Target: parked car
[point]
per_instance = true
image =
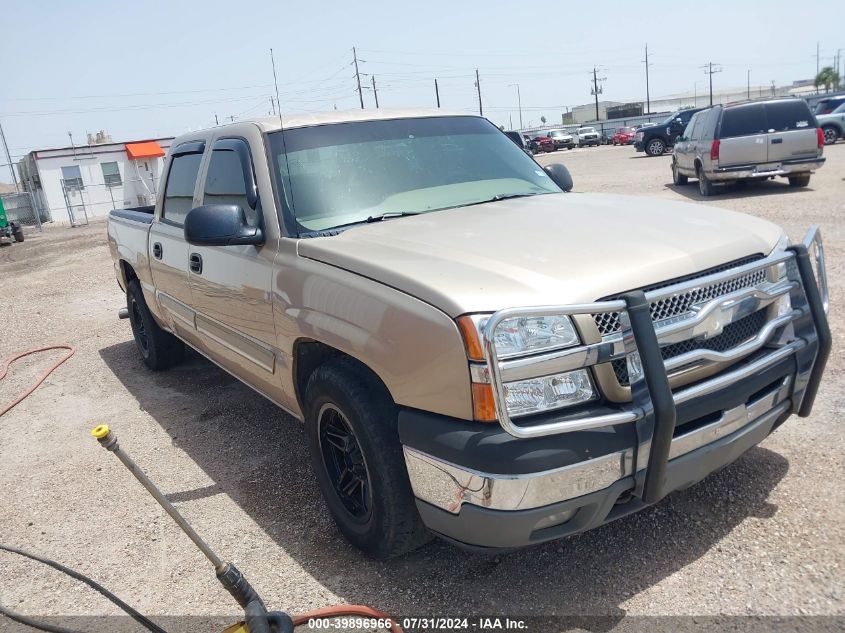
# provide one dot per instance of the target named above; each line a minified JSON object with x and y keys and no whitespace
{"x":828,"y":104}
{"x":624,"y":136}
{"x":833,"y":124}
{"x":562,"y":139}
{"x":749,"y":141}
{"x":586,"y":136}
{"x":518,"y":139}
{"x":358,"y":270}
{"x":654,"y":140}
{"x":542,"y":143}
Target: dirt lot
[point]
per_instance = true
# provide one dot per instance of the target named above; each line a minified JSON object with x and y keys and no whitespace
{"x":764,"y":536}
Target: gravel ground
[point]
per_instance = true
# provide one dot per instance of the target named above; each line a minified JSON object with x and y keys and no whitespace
{"x":765,"y":536}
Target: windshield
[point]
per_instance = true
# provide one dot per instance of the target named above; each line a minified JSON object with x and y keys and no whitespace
{"x":586,"y":130}
{"x":558,"y":133}
{"x":345,"y":173}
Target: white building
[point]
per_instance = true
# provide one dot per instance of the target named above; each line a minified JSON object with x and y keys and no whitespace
{"x":73,"y":183}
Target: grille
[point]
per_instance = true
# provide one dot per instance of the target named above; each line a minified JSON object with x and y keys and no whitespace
{"x":734,"y":334}
{"x":608,"y":322}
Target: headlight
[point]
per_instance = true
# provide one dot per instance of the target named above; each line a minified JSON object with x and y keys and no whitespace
{"x":535,"y":395}
{"x":639,"y":136}
{"x":783,"y":242}
{"x":519,"y":335}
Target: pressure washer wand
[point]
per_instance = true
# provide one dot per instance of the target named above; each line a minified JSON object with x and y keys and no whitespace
{"x":258,"y":620}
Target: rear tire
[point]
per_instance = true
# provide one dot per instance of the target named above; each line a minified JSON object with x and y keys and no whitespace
{"x":351,"y":430}
{"x":17,"y":232}
{"x":799,"y":181}
{"x":677,"y":177}
{"x":655,"y":147}
{"x":705,"y":187}
{"x":831,"y":134}
{"x":159,"y":349}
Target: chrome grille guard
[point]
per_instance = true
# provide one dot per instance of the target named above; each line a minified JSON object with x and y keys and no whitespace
{"x":653,"y":403}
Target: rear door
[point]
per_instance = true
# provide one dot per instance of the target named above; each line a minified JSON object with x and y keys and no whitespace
{"x":743,"y":135}
{"x":791,"y":131}
{"x":168,"y":251}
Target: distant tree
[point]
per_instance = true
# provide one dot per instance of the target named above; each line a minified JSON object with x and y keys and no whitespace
{"x":828,"y":78}
{"x":543,"y":120}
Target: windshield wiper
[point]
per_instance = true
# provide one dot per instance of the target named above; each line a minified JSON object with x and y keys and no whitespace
{"x":501,"y":196}
{"x":389,"y":215}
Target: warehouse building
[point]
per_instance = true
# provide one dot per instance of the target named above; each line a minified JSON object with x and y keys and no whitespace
{"x":72,"y":184}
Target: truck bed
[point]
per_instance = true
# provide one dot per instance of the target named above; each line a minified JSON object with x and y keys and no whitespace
{"x":136,"y":214}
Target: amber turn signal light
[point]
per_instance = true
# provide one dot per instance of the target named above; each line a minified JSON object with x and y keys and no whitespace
{"x":472,"y":341}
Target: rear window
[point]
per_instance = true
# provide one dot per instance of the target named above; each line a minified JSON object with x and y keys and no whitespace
{"x":784,"y":116}
{"x":743,"y":121}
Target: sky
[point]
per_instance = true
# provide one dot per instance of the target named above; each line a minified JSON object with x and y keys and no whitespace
{"x":151,"y":68}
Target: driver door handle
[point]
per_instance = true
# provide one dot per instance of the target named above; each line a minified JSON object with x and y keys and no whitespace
{"x":157,"y":250}
{"x":196,"y":263}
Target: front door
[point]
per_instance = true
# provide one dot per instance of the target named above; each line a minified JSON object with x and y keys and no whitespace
{"x":230,"y":285}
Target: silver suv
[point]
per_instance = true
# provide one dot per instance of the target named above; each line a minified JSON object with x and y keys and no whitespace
{"x":751,"y":140}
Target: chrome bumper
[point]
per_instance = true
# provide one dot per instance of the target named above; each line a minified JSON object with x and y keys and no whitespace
{"x":783,"y":169}
{"x":801,"y":331}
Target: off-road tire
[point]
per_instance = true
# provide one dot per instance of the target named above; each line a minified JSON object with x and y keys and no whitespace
{"x":655,"y":147}
{"x":17,"y":232}
{"x":677,"y":177}
{"x":159,"y":349}
{"x":831,"y":134}
{"x":799,"y":181}
{"x":392,"y":526}
{"x":705,"y":187}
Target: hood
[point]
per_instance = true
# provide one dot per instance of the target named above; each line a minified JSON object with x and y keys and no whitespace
{"x":543,"y":250}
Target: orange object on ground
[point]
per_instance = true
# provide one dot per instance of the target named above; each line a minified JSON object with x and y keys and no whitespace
{"x":41,"y":378}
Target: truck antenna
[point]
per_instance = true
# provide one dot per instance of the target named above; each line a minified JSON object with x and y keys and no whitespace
{"x":282,"y":131}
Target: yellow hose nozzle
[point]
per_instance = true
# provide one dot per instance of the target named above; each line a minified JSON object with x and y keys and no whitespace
{"x":100,"y":431}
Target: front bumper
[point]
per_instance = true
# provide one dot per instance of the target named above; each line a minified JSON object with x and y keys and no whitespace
{"x":512,"y":485}
{"x":785,"y":168}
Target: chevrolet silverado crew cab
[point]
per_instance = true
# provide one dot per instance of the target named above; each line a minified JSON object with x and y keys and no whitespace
{"x":752,"y":140}
{"x":474,"y":352}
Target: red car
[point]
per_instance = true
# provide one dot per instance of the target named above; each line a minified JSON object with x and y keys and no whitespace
{"x":624,"y":136}
{"x":542,"y":144}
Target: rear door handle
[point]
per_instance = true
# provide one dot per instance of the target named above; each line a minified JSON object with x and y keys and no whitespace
{"x":196,"y":263}
{"x":775,"y":141}
{"x":157,"y":250}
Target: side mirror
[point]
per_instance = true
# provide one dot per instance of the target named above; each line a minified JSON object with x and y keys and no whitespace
{"x":560,"y":175}
{"x":220,"y":225}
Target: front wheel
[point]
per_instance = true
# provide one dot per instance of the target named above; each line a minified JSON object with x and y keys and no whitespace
{"x":677,"y":177}
{"x":799,"y":181}
{"x":831,"y":134}
{"x":351,"y":427}
{"x":159,"y":349}
{"x":655,"y":147}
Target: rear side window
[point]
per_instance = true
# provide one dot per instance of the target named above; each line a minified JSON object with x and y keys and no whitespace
{"x":179,"y":193}
{"x":225,"y":183}
{"x":743,"y":121}
{"x":784,"y":116}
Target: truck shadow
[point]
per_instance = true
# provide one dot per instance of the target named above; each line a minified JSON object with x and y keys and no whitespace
{"x":741,"y":189}
{"x":255,"y":454}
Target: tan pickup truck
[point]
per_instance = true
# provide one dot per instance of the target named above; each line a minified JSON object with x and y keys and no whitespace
{"x":474,"y":352}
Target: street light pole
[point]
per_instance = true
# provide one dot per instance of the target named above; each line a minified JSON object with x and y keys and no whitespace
{"x":519,"y":101}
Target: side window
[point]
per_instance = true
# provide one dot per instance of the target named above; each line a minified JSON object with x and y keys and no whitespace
{"x":784,"y":116}
{"x":743,"y":121}
{"x":691,"y":131}
{"x":179,"y":192}
{"x":229,"y":177}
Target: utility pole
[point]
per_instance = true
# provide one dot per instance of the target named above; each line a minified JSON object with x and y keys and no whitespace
{"x":748,"y":96}
{"x":647,"y":95}
{"x":375,"y":92}
{"x":709,"y":71}
{"x":216,"y":122}
{"x":358,"y":77}
{"x":519,"y":101}
{"x":817,"y":59}
{"x":596,"y":90}
{"x":478,"y":87}
{"x":9,"y":159}
{"x":437,"y":92}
